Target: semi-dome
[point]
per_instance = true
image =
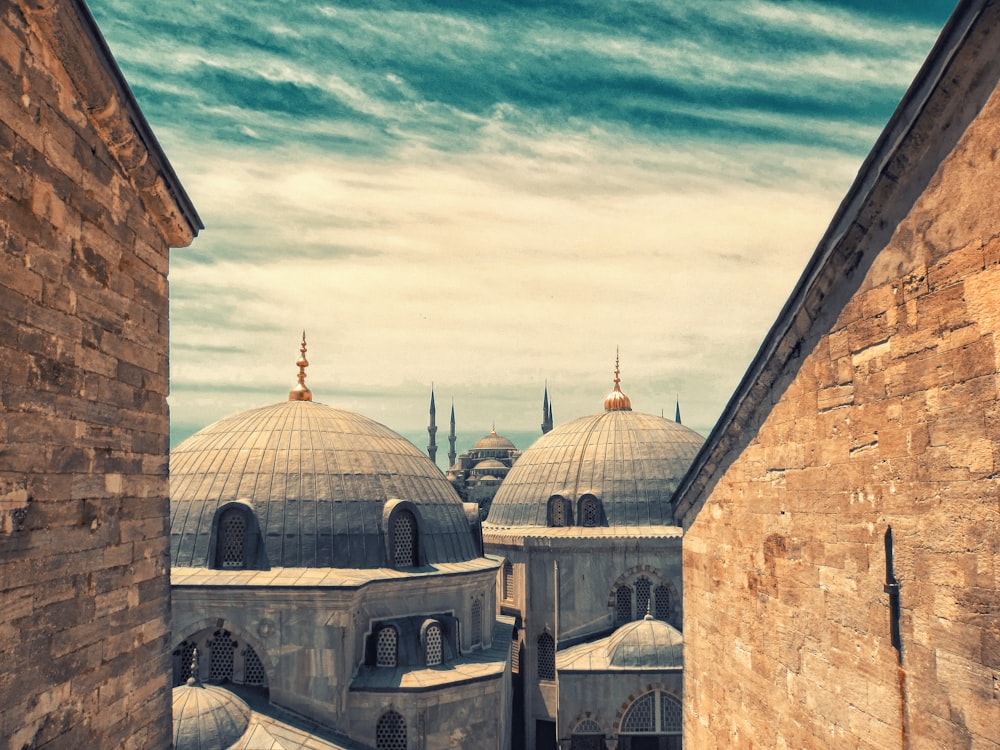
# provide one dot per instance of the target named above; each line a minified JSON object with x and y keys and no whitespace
{"x":618,"y":468}
{"x":317,"y":486}
{"x":207,"y":717}
{"x":646,"y":644}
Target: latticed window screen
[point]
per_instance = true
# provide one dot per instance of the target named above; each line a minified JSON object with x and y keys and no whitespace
{"x":433,"y":646}
{"x":183,"y":658}
{"x":515,"y":653}
{"x":253,"y":668}
{"x":390,"y":732}
{"x":642,"y":590}
{"x":671,"y":719}
{"x":558,"y":511}
{"x":477,"y":622}
{"x":588,"y":735}
{"x":508,"y":581}
{"x":232,"y":533}
{"x":405,"y":540}
{"x":623,"y":605}
{"x":385,"y":647}
{"x":641,"y":716}
{"x":220,"y":660}
{"x":589,"y":515}
{"x":661,"y":605}
{"x":546,"y":657}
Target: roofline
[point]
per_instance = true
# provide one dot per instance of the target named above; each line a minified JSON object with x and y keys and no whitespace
{"x":875,"y":178}
{"x":138,"y":119}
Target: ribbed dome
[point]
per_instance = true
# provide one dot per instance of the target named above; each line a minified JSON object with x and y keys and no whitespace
{"x":646,"y":644}
{"x":207,"y":717}
{"x":317,"y":479}
{"x":630,"y":461}
{"x":493,"y":442}
{"x":490,"y":463}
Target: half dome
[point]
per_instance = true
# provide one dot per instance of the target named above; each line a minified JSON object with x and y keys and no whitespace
{"x":317,"y":480}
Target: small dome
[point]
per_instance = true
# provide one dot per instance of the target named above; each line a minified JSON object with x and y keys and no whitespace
{"x":493,"y":442}
{"x":646,"y":644}
{"x":207,"y":717}
{"x":489,"y":463}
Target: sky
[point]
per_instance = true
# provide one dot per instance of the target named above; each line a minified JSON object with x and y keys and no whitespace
{"x":492,"y":196}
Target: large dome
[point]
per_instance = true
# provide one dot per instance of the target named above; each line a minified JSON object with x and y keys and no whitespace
{"x":493,"y":442}
{"x":317,"y":480}
{"x":629,"y":461}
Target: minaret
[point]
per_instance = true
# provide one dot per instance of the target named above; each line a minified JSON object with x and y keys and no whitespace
{"x":677,"y":411}
{"x":301,"y":392}
{"x":546,"y":411}
{"x":432,"y":429}
{"x":451,"y":438}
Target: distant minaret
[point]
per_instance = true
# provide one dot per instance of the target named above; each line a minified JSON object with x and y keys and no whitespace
{"x":432,"y":429}
{"x":546,"y":411}
{"x":677,"y":412}
{"x":451,"y":437}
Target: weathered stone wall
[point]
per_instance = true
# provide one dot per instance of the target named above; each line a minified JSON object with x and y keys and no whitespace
{"x":84,"y":232}
{"x":892,"y":419}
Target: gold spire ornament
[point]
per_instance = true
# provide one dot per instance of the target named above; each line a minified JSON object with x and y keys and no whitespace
{"x":301,"y":392}
{"x":616,"y":400}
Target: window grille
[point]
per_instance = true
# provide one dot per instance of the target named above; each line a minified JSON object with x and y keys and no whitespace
{"x":232,"y":533}
{"x":546,"y":657}
{"x":385,"y":647}
{"x":641,"y":716}
{"x":508,"y":581}
{"x":589,"y":515}
{"x":183,"y":656}
{"x":623,"y":605}
{"x":671,"y":719}
{"x":515,"y":653}
{"x":558,"y":511}
{"x":253,"y":668}
{"x":433,"y":646}
{"x":642,"y":589}
{"x":390,"y":732}
{"x":405,"y":540}
{"x":588,"y":735}
{"x":220,"y":656}
{"x":662,"y":603}
{"x":477,"y":622}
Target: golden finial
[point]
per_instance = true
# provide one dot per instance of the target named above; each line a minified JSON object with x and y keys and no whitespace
{"x":616,"y":400}
{"x":301,"y":392}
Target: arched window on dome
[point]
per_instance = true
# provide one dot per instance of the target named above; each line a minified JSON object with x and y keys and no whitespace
{"x":587,"y":735}
{"x":559,"y":511}
{"x":623,"y":605}
{"x":589,"y":512}
{"x":390,"y":732}
{"x":386,"y":647}
{"x":546,"y":657}
{"x":404,"y":540}
{"x":433,"y":648}
{"x":508,"y":581}
{"x":231,"y":536}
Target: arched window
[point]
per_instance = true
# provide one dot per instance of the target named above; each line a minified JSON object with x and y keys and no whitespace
{"x":588,"y":735}
{"x":404,"y":546}
{"x":231,"y":538}
{"x":183,"y":659}
{"x":546,"y":657}
{"x":655,"y":713}
{"x":220,"y":656}
{"x":515,"y":651}
{"x":433,"y":651}
{"x":253,"y":668}
{"x":390,"y":732}
{"x":385,"y":647}
{"x":477,"y":622}
{"x":661,"y":603}
{"x":559,"y":511}
{"x":508,"y":581}
{"x":642,"y":591}
{"x":590,"y":511}
{"x":623,"y":605}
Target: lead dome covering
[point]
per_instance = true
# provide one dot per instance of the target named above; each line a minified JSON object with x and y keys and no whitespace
{"x":317,"y":480}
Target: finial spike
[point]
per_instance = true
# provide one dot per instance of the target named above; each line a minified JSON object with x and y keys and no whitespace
{"x":193,"y":668}
{"x":301,"y":392}
{"x":616,"y":400}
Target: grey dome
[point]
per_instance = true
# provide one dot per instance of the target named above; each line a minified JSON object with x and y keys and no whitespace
{"x":630,"y":461}
{"x":207,"y":717}
{"x":317,"y":480}
{"x":646,"y":644}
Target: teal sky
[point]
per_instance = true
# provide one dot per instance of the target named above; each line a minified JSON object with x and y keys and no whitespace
{"x":492,"y":195}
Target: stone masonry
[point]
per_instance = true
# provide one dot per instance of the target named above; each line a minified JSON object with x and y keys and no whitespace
{"x":88,"y":209}
{"x":864,"y":453}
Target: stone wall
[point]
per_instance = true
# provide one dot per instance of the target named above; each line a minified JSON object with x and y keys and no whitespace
{"x":888,"y":418}
{"x":86,"y":218}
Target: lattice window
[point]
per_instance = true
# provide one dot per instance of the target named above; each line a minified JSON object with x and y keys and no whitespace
{"x":623,"y":605}
{"x":220,"y":656}
{"x":641,"y":716}
{"x":515,"y":652}
{"x":546,"y":657}
{"x":253,"y":668}
{"x":661,"y":597}
{"x":385,"y":647}
{"x":671,"y":719}
{"x":405,"y":540}
{"x":432,"y":646}
{"x":508,"y":581}
{"x":477,"y":622}
{"x":183,"y":656}
{"x":232,"y":537}
{"x":390,"y":732}
{"x":588,"y":735}
{"x":589,"y":511}
{"x":642,"y":590}
{"x":558,"y":511}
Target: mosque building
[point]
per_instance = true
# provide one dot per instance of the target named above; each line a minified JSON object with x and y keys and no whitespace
{"x":592,"y":577}
{"x":321,"y":560}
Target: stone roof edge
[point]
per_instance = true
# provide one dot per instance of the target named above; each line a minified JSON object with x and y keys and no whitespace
{"x":948,"y":92}
{"x":164,"y":195}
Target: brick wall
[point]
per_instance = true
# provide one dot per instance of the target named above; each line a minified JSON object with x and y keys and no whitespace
{"x":86,"y":218}
{"x":890,"y":417}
